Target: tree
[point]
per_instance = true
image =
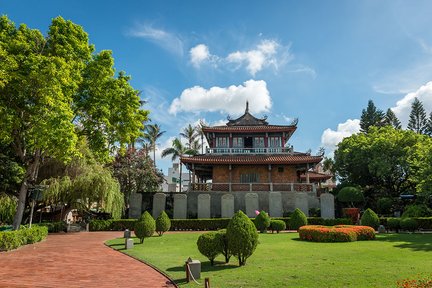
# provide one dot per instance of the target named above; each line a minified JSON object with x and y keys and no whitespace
{"x":351,"y":195}
{"x":152,"y":134}
{"x":210,"y":245}
{"x":163,"y":223}
{"x":371,"y":116}
{"x":177,"y":150}
{"x":391,"y":119}
{"x":262,"y":221}
{"x":145,"y":226}
{"x":298,"y":219}
{"x":52,"y":91}
{"x":242,"y":237}
{"x":429,"y":125}
{"x":199,"y":128}
{"x":136,"y":173}
{"x":386,"y":161}
{"x":190,"y":133}
{"x":418,"y":119}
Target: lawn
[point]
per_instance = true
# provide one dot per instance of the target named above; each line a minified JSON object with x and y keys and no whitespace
{"x":282,"y":260}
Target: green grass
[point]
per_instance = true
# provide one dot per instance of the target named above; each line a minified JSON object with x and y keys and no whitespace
{"x":282,"y":260}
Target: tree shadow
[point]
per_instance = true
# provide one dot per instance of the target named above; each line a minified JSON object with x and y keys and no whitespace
{"x":415,"y":242}
{"x":205,"y":267}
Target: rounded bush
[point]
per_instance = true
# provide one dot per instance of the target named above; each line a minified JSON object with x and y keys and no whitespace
{"x":145,"y":226}
{"x":350,"y":195}
{"x":262,"y":221}
{"x":298,"y":219}
{"x":224,"y":250}
{"x":163,"y":223}
{"x":242,"y":237}
{"x":409,"y":224}
{"x":370,"y":218}
{"x":384,"y":206}
{"x":277,"y":225}
{"x":393,"y":224}
{"x":210,"y":245}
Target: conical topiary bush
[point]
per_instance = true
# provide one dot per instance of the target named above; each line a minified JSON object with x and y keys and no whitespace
{"x":163,"y":223}
{"x":145,"y":226}
{"x":297,"y":219}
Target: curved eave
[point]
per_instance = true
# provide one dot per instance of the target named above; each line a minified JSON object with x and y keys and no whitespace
{"x":251,"y":159}
{"x":259,"y":129}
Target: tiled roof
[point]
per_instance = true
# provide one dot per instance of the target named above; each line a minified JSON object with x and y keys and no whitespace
{"x":252,"y":159}
{"x":317,"y":176}
{"x":261,"y":128}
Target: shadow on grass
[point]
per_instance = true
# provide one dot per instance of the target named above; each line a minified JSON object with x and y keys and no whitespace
{"x":415,"y":242}
{"x":205,"y":267}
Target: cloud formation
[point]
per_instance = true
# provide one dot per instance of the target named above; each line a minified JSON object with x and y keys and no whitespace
{"x":403,"y":106}
{"x":168,"y":41}
{"x":331,"y":138}
{"x":230,"y":99}
{"x":268,"y":53}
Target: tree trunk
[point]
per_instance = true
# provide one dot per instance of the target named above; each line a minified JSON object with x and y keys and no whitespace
{"x":180,"y":176}
{"x":154,"y":156}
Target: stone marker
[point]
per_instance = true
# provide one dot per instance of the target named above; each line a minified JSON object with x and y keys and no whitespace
{"x":127,"y":234}
{"x":275,"y":204}
{"x":301,"y":202}
{"x":159,"y":200}
{"x":327,"y":206}
{"x":203,"y":206}
{"x":180,"y":206}
{"x":381,"y":229}
{"x":251,"y":200}
{"x":227,"y":206}
{"x":129,"y":243}
{"x":135,"y":203}
{"x":195,"y":268}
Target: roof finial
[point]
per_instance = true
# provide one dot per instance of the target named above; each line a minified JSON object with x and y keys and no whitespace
{"x":247,"y":107}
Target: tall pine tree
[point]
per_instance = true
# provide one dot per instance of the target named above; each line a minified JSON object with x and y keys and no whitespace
{"x":429,"y":125}
{"x":391,"y":119}
{"x":371,"y":116}
{"x":418,"y":119}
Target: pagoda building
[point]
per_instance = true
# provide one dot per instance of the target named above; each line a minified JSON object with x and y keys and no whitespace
{"x":249,"y":154}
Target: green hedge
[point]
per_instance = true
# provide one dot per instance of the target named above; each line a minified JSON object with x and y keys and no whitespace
{"x":10,"y":240}
{"x":424,"y":223}
{"x":53,"y":227}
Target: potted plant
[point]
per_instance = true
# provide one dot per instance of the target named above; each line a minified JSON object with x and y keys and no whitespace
{"x":351,"y":196}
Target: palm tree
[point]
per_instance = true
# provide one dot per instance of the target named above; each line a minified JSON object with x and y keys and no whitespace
{"x":190,"y":133}
{"x":152,"y":134}
{"x":200,"y":132}
{"x":177,"y":150}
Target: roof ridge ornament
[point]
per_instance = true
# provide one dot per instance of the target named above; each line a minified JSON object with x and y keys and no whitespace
{"x":247,"y":107}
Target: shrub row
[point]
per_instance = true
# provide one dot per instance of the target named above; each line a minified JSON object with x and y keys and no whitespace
{"x":112,"y":225}
{"x":53,"y":227}
{"x":339,"y":233}
{"x":13,"y":239}
{"x":424,"y":223}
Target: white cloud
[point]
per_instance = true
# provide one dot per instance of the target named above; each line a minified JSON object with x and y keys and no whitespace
{"x":231,"y":99}
{"x":199,"y":54}
{"x":403,"y":106}
{"x":331,"y":138}
{"x":164,"y":39}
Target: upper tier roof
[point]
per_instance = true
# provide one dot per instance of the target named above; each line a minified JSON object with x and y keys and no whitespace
{"x":247,"y":119}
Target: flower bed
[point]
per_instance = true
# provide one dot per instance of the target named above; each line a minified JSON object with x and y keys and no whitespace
{"x":338,"y":233}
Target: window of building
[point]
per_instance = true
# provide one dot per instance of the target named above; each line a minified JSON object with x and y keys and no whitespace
{"x":280,"y":169}
{"x":259,"y":142}
{"x":237,"y":142}
{"x":249,"y":178}
{"x":222,"y":142}
{"x":275,"y":142}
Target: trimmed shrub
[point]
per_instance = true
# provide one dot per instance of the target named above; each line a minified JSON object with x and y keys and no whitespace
{"x":163,"y":223}
{"x":145,"y":226}
{"x":13,"y":239}
{"x":363,"y":232}
{"x":210,"y":245}
{"x":277,"y":225}
{"x":242,"y":237}
{"x":393,"y":224}
{"x":409,"y":224}
{"x":416,"y":211}
{"x":53,"y":227}
{"x":122,"y":224}
{"x":199,"y":224}
{"x":224,"y":245}
{"x":370,"y":218}
{"x":298,"y":219}
{"x":339,"y":233}
{"x":100,"y":225}
{"x":350,"y":195}
{"x":262,"y":221}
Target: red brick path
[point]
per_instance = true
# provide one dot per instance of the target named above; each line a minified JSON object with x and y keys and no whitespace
{"x":76,"y":260}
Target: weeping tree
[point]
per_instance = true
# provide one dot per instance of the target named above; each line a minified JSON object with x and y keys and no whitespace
{"x":8,"y":206}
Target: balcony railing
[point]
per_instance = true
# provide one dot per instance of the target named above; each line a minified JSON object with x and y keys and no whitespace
{"x":263,"y":150}
{"x":251,"y":187}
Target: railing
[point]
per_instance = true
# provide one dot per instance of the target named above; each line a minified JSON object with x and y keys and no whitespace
{"x":263,"y":150}
{"x":252,"y":187}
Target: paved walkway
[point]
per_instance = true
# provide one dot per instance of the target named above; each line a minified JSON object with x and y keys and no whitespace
{"x":76,"y":260}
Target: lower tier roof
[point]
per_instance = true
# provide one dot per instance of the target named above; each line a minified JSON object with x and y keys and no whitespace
{"x":252,"y":159}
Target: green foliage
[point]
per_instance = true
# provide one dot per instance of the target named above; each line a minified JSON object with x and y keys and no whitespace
{"x":418,"y":117}
{"x":371,"y":116}
{"x":277,"y":225}
{"x":298,"y":219}
{"x":262,"y":221}
{"x":242,"y":237}
{"x":417,"y":210}
{"x":224,"y":249}
{"x":13,"y":239}
{"x":370,"y":218}
{"x":385,"y":205}
{"x":145,"y":226}
{"x":391,"y":119}
{"x":152,"y":133}
{"x":8,"y":206}
{"x":210,"y":245}
{"x":199,"y":224}
{"x":389,"y":161}
{"x":409,"y":224}
{"x":53,"y":227}
{"x":352,"y":195}
{"x":393,"y":224}
{"x":163,"y":223}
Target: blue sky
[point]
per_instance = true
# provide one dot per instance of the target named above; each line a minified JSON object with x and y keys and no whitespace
{"x":319,"y":61}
